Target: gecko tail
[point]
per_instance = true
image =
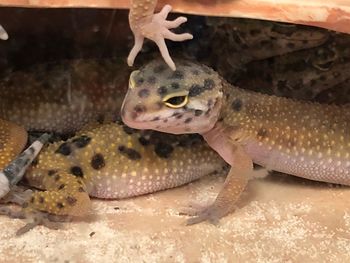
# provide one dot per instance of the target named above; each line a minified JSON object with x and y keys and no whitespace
{"x":14,"y":172}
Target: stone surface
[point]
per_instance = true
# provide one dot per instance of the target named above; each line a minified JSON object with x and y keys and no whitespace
{"x":279,"y":219}
{"x":328,"y":14}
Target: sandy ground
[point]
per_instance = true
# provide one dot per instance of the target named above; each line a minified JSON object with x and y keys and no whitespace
{"x":279,"y":219}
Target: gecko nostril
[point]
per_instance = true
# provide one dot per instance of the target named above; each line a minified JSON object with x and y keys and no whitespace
{"x":138,"y":110}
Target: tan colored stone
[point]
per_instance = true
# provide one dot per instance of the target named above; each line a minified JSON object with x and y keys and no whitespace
{"x":333,"y":15}
{"x":279,"y":219}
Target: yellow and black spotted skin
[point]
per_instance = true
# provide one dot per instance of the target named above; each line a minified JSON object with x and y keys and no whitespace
{"x":12,"y":140}
{"x":113,"y":161}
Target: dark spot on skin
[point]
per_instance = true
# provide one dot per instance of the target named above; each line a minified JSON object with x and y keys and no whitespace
{"x":71,"y":200}
{"x":51,"y":172}
{"x":64,"y":149}
{"x":190,"y":140}
{"x":159,"y":68}
{"x":81,"y":190}
{"x":128,"y":130}
{"x":151,"y":80}
{"x":57,"y":177}
{"x":32,"y":199}
{"x":61,"y":186}
{"x":237,"y":105}
{"x":195,"y":90}
{"x":92,"y":234}
{"x":262,"y":132}
{"x":209,"y":84}
{"x":59,"y":205}
{"x":143,"y":93}
{"x":139,"y":81}
{"x":210,"y":102}
{"x":82,"y":141}
{"x":165,"y":120}
{"x":175,"y":85}
{"x":156,"y":119}
{"x":129,"y":152}
{"x":41,"y":200}
{"x":188,"y":120}
{"x":179,"y":116}
{"x":163,"y":150}
{"x":25,"y":205}
{"x":35,"y":162}
{"x":77,"y":171}
{"x":282,"y":29}
{"x":198,"y":113}
{"x":177,"y":75}
{"x":143,"y":141}
{"x":195,"y":72}
{"x":162,"y":90}
{"x":138,"y":109}
{"x":97,"y":161}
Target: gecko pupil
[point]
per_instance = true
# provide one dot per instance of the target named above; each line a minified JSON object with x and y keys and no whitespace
{"x":176,"y":101}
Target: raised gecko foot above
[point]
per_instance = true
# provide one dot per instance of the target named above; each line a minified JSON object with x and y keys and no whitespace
{"x":155,"y":28}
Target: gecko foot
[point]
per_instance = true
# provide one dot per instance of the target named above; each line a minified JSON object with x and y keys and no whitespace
{"x":42,"y":218}
{"x":199,"y":213}
{"x":156,"y":29}
{"x":35,"y":218}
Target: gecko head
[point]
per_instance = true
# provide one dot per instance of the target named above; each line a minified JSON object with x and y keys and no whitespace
{"x":187,"y":100}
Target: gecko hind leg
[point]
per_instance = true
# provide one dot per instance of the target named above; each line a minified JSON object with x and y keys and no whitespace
{"x":64,"y":198}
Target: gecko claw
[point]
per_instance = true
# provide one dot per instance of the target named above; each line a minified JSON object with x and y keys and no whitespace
{"x":44,"y":219}
{"x":210,"y":214}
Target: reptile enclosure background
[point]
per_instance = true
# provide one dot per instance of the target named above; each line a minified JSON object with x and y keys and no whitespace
{"x":280,"y":218}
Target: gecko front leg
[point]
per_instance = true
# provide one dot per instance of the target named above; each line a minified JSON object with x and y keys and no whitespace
{"x":224,"y":141}
{"x":145,"y":24}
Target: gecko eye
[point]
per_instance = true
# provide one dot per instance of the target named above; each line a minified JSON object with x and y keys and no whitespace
{"x":176,"y":101}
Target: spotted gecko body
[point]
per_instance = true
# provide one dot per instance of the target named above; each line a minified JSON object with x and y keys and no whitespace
{"x":103,"y":160}
{"x":12,"y":140}
{"x":112,"y":161}
{"x":64,"y":96}
{"x":303,"y":139}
